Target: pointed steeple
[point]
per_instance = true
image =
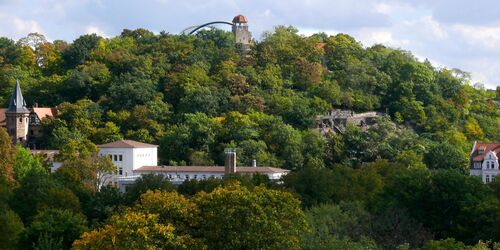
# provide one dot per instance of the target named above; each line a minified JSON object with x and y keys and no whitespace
{"x":17,"y":103}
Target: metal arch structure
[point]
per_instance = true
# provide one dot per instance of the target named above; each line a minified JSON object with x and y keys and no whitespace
{"x":204,"y":25}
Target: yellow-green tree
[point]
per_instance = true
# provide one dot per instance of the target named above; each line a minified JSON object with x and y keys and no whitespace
{"x":234,"y":217}
{"x":135,"y":230}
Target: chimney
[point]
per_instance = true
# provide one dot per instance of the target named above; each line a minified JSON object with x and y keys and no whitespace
{"x":254,"y":163}
{"x":230,"y":161}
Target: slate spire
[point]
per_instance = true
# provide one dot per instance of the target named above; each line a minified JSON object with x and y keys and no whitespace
{"x":17,"y":103}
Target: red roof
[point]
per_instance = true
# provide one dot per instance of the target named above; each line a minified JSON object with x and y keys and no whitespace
{"x":127,"y":144}
{"x":485,"y":147}
{"x":40,"y":112}
{"x":44,"y":112}
{"x":210,"y":169}
{"x":240,"y":19}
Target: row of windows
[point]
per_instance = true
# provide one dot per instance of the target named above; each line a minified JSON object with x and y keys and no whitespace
{"x":143,"y":155}
{"x":488,"y":178}
{"x":194,"y":176}
{"x":115,"y":157}
{"x":490,"y":165}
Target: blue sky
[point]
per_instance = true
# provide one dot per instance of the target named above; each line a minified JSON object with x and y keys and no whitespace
{"x":450,"y":33}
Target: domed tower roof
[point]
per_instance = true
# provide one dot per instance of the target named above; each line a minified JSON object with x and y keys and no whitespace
{"x":240,"y":19}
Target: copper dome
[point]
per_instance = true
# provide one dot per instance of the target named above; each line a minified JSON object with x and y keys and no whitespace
{"x":240,"y":19}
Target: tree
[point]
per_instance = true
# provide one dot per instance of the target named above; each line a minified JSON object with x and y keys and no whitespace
{"x":234,"y":217}
{"x":55,"y":224}
{"x":343,"y":221}
{"x":135,"y":230}
{"x":26,"y":162}
{"x":91,"y":172}
{"x":7,"y":156}
{"x":32,"y":190}
{"x":80,"y":50}
{"x":446,"y":156}
{"x":145,"y":183}
{"x":11,"y":228}
{"x":103,"y":204}
{"x":172,"y":208}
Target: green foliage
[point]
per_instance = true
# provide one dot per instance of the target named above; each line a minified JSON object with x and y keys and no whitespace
{"x":54,"y":224}
{"x":11,"y":228}
{"x":197,"y":95}
{"x":234,"y":217}
{"x":26,"y":162}
{"x":145,"y":183}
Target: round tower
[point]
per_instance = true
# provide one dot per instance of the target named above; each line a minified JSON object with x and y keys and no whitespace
{"x":241,"y":33}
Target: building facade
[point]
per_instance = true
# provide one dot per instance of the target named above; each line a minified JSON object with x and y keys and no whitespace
{"x":484,"y":161}
{"x":22,"y":123}
{"x":241,"y":33}
{"x":129,"y":155}
{"x":134,"y":159}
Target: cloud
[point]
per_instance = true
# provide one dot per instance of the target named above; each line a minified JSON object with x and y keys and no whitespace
{"x":457,"y":34}
{"x":488,"y":36}
{"x":92,"y":29}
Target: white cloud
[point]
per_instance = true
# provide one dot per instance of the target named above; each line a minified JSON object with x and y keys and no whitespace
{"x":383,"y":8}
{"x":370,"y":37}
{"x":488,"y":36}
{"x":92,"y":29}
{"x":26,"y":26}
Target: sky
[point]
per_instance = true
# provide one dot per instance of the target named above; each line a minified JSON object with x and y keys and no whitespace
{"x":459,"y":34}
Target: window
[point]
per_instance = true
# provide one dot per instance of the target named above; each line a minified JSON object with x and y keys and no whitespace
{"x":120,"y":171}
{"x":115,"y":157}
{"x":110,"y":157}
{"x":477,"y":165}
{"x":487,"y":165}
{"x":178,"y":176}
{"x":187,"y":177}
{"x":204,"y":177}
{"x":195,"y":176}
{"x":120,"y":157}
{"x":21,"y":119}
{"x":480,"y":152}
{"x":487,"y":178}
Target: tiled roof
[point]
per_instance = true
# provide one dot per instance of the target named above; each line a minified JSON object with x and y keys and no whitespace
{"x":240,"y":19}
{"x":210,"y":169}
{"x":44,"y":112}
{"x":127,"y":144}
{"x":486,"y":147}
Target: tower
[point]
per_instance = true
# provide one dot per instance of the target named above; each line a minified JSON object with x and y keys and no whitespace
{"x":241,"y":33}
{"x":17,"y":116}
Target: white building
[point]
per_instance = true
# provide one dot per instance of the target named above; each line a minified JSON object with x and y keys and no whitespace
{"x":484,"y":161}
{"x":179,"y":174}
{"x":129,"y":155}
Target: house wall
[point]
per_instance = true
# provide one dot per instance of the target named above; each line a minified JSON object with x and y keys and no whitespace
{"x":126,"y":161}
{"x":144,"y":157}
{"x":486,"y":173}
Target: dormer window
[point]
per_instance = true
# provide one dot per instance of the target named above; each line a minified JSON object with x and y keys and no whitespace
{"x":480,"y":151}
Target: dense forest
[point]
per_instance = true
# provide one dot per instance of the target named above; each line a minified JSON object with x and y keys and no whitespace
{"x":401,"y":184}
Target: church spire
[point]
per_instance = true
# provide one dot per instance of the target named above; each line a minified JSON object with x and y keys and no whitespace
{"x":17,"y":103}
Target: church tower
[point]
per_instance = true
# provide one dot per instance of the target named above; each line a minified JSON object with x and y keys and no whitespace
{"x":241,"y":33}
{"x":17,"y":117}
